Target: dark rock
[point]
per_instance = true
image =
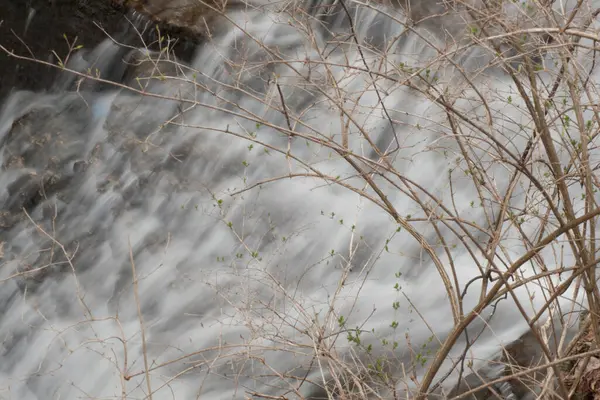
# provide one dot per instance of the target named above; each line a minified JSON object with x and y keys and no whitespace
{"x":39,"y":27}
{"x":191,"y":18}
{"x":523,"y":354}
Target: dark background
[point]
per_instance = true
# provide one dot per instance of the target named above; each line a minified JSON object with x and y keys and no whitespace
{"x":52,"y":19}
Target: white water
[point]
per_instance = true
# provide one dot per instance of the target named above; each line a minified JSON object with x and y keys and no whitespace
{"x":200,"y":287}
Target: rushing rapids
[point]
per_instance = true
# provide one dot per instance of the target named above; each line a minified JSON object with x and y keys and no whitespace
{"x":141,"y":258}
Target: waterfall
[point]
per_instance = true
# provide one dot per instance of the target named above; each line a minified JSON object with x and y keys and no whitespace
{"x":146,"y":244}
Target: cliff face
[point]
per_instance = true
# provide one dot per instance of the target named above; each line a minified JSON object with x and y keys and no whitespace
{"x":41,"y":24}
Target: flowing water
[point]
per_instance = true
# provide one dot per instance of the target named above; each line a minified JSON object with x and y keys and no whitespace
{"x":117,"y":204}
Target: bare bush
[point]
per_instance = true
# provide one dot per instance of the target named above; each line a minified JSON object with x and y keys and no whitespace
{"x":466,"y":133}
